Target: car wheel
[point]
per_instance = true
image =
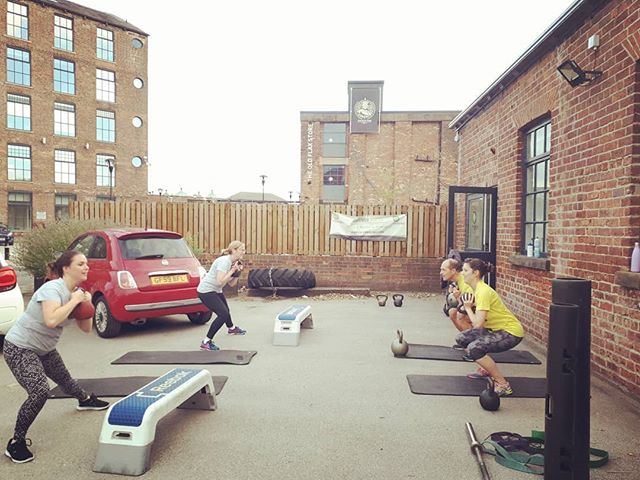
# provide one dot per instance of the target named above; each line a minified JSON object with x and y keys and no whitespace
{"x":106,"y":325}
{"x":199,"y":318}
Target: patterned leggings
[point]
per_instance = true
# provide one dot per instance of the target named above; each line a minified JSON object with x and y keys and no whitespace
{"x":31,"y":371}
{"x":480,"y":341}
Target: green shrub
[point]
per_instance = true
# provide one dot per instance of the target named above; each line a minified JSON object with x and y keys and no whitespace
{"x":41,"y":245}
{"x":191,"y":241}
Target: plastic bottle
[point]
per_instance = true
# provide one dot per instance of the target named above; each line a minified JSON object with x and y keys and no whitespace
{"x":536,"y":247}
{"x":635,"y":258}
{"x":530,"y":249}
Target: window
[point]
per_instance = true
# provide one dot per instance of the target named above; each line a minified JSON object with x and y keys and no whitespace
{"x":137,"y":43}
{"x":19,"y":210}
{"x":536,"y":185}
{"x":64,"y":76}
{"x":63,"y":33}
{"x":18,"y":112}
{"x":105,"y":178}
{"x":19,"y":163}
{"x":65,"y":166}
{"x":104,"y":44}
{"x":64,"y":119}
{"x":333,"y":183}
{"x":334,"y":140}
{"x":105,"y":126}
{"x":17,"y":20}
{"x":18,"y":66}
{"x":62,"y":202}
{"x":333,"y":175}
{"x":105,"y":85}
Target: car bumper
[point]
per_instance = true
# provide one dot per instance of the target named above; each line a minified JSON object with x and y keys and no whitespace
{"x":137,"y":304}
{"x":162,"y":305}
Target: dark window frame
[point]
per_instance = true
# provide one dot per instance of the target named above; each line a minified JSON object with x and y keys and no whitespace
{"x":13,"y":25}
{"x":535,"y":158}
{"x":21,"y":74}
{"x":13,"y":157}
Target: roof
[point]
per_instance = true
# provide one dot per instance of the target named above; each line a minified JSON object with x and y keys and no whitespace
{"x":385,"y":116}
{"x":254,"y":197}
{"x":92,"y":14}
{"x":561,"y":29}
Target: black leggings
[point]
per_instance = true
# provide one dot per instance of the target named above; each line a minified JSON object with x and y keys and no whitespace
{"x":480,"y":341}
{"x":217,"y":303}
{"x":31,"y":371}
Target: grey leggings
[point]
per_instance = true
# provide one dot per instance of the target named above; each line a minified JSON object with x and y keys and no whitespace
{"x":31,"y":371}
{"x":480,"y":341}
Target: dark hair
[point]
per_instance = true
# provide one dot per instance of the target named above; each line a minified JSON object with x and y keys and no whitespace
{"x":479,"y":265}
{"x":64,"y":260}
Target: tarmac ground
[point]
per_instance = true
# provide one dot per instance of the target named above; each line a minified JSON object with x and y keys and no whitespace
{"x":337,"y":406}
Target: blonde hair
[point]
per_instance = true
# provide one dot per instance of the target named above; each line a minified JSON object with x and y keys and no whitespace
{"x":236,"y":244}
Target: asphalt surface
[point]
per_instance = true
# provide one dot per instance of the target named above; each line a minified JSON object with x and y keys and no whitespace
{"x":337,"y":406}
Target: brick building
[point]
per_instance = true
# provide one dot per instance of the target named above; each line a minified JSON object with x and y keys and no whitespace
{"x":74,"y":81}
{"x":411,"y":159}
{"x":566,"y":162}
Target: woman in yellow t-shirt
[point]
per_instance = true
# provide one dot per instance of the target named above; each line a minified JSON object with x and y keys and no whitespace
{"x":495,"y":328}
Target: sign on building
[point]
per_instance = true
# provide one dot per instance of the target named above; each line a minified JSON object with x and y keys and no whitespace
{"x":365,"y":105}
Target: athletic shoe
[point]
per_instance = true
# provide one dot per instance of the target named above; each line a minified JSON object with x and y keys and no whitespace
{"x":503,"y":389}
{"x":92,"y":403}
{"x":209,"y":346}
{"x":236,"y":331}
{"x":480,"y":373}
{"x":18,"y":452}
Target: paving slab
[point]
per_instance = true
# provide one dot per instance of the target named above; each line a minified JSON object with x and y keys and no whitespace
{"x":337,"y":406}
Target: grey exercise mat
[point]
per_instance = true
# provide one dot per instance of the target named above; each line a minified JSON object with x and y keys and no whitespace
{"x":439,"y":352}
{"x":523,"y":387}
{"x":121,"y":386}
{"x":189,"y":357}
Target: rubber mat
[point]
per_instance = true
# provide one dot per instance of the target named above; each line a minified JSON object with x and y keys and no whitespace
{"x":439,"y":352}
{"x":523,"y":387}
{"x":121,"y":386}
{"x":190,"y":357}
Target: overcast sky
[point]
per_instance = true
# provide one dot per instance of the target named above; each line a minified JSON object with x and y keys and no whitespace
{"x":228,"y":80}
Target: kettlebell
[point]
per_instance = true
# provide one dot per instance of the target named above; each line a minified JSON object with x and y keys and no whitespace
{"x":397,"y":299}
{"x":489,"y":399}
{"x":399,"y":346}
{"x":382,"y":300}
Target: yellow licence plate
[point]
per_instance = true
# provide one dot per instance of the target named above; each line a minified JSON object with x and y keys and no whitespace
{"x":169,"y":279}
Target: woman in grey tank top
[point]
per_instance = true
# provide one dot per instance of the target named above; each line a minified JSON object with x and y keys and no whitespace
{"x":30,"y":347}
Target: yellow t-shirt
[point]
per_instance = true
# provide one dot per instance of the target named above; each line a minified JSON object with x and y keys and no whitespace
{"x":462,"y":286}
{"x":499,"y":317}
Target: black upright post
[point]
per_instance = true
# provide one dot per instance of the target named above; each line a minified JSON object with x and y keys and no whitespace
{"x":567,"y":410}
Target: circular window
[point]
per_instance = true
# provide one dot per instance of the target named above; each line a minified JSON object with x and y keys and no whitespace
{"x":137,"y":122}
{"x":136,"y":162}
{"x":138,"y":83}
{"x":137,"y":43}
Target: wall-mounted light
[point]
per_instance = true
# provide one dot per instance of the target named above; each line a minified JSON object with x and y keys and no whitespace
{"x":575,"y":75}
{"x":44,"y":140}
{"x":86,"y":146}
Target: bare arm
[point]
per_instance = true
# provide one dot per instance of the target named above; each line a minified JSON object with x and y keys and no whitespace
{"x":55,"y":314}
{"x":479,"y":317}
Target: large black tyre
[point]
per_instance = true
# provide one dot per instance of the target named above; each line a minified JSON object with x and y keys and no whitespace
{"x":199,"y":318}
{"x":106,"y":325}
{"x":281,"y":278}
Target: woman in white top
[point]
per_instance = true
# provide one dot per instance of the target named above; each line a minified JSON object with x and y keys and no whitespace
{"x":225,"y":270}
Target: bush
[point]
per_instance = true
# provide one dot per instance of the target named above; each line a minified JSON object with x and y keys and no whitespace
{"x":191,"y":241}
{"x":43,"y":244}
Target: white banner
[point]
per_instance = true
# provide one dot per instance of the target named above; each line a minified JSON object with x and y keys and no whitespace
{"x":382,"y":228}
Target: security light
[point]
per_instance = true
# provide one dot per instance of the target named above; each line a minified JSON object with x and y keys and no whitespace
{"x":573,"y":74}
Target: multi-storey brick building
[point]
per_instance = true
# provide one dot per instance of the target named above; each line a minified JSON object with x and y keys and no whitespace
{"x":411,"y":159}
{"x":74,"y":82}
{"x":566,"y":163}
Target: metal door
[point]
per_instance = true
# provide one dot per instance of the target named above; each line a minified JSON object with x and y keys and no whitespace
{"x":473,"y":213}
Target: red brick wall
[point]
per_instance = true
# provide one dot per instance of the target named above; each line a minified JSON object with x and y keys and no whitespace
{"x":594,"y":200}
{"x":375,"y":273}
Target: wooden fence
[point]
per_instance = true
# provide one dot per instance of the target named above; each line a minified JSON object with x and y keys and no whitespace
{"x":275,"y":228}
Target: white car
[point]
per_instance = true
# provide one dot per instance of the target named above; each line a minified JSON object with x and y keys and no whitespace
{"x":11,"y":302}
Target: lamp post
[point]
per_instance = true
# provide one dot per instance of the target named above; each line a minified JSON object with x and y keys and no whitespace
{"x":263,"y":177}
{"x":110,"y":166}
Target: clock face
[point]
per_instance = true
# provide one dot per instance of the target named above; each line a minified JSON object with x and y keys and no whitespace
{"x":136,"y":162}
{"x":364,"y":109}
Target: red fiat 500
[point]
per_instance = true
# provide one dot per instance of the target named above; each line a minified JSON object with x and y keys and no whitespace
{"x":135,"y":274}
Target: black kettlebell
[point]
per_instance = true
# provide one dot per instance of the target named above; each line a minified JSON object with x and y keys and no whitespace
{"x":489,"y":399}
{"x":397,"y":299}
{"x":382,"y":300}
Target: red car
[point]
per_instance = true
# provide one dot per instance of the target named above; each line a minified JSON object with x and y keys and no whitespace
{"x":136,"y":273}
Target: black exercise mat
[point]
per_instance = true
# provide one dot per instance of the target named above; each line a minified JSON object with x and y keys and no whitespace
{"x":438,"y":352}
{"x":121,"y":386}
{"x":523,"y":387}
{"x":190,"y":357}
